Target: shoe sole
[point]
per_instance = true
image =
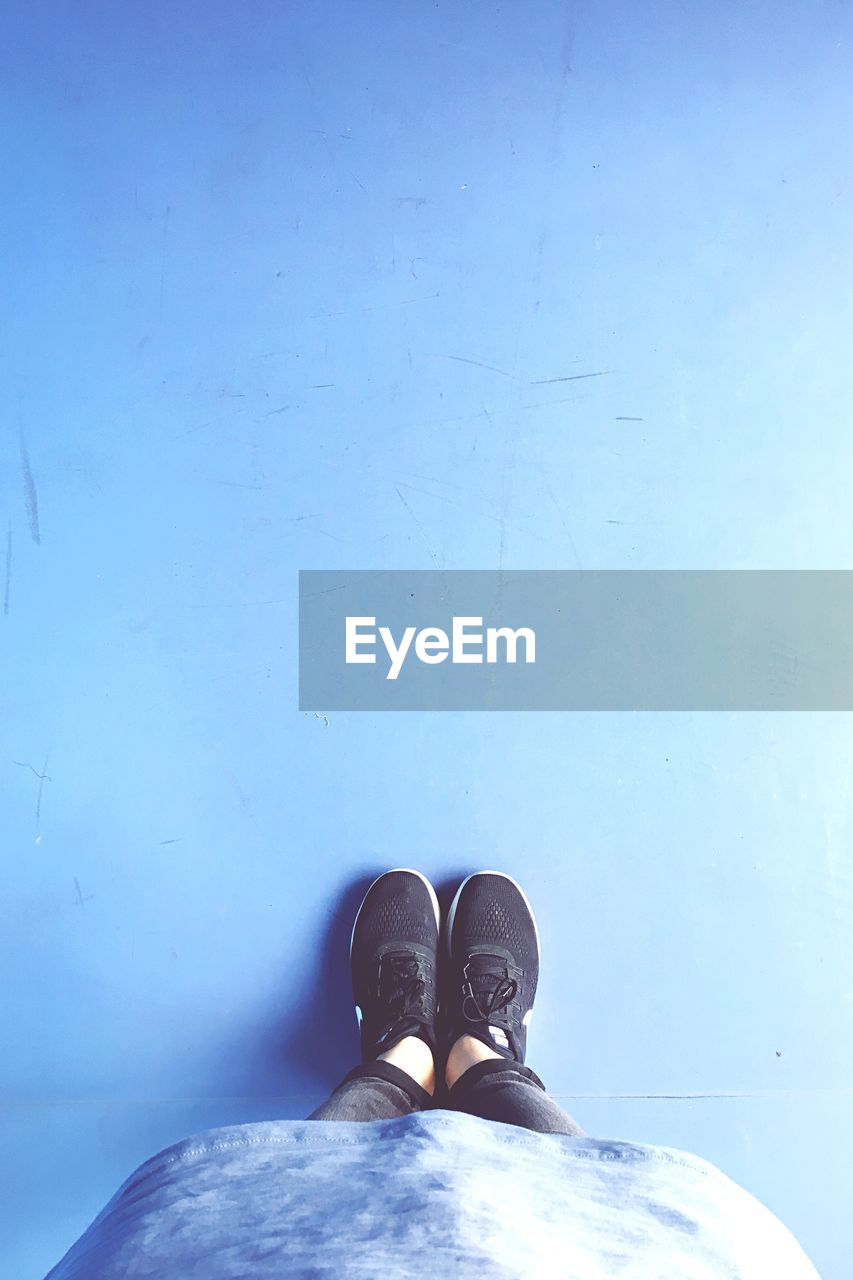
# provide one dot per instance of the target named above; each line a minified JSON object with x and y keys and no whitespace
{"x":451,"y":915}
{"x":409,"y":872}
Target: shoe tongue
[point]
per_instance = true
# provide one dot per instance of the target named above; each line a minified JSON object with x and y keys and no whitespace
{"x":397,"y":971}
{"x":484,"y":973}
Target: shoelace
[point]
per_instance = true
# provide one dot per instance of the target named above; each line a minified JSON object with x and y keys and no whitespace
{"x":406,"y":995}
{"x":497,"y":999}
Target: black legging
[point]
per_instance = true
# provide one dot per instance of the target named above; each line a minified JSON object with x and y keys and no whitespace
{"x":496,"y":1089}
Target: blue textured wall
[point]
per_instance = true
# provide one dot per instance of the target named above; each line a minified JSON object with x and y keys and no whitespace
{"x":299,"y":286}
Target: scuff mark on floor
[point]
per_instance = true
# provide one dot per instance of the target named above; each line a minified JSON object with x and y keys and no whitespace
{"x":31,"y":498}
{"x":24,"y":764}
{"x":433,"y":556}
{"x":81,"y":899}
{"x":43,"y":778}
{"x":8,"y":585}
{"x":479,"y":365}
{"x":572,"y":377}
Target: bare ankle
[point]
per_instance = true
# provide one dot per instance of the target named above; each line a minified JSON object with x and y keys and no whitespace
{"x":414,"y":1056}
{"x":466,"y":1051}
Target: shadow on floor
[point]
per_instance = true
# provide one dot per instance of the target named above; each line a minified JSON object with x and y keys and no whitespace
{"x":310,"y":1042}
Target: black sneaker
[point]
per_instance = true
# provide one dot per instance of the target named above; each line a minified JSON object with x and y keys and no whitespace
{"x":394,"y":953}
{"x":494,"y":964}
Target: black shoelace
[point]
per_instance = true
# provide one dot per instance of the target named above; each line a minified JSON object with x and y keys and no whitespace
{"x":485,"y":1005}
{"x":407,"y":990}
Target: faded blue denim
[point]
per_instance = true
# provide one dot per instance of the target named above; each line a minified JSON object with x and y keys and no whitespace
{"x":431,"y":1194}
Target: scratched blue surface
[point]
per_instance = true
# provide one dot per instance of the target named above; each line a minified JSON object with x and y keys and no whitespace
{"x":398,"y":286}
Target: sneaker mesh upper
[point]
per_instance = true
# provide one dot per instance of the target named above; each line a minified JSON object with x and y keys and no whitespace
{"x":492,"y":910}
{"x":400,"y":908}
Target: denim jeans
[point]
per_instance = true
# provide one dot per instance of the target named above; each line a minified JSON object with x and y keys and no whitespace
{"x":496,"y":1089}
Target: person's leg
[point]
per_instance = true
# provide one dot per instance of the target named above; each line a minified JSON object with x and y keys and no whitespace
{"x":493,"y":947}
{"x":485,"y":1084}
{"x":396,"y":1084}
{"x":393,"y":957}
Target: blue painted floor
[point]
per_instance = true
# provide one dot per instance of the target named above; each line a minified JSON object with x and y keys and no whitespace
{"x":405,"y":286}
